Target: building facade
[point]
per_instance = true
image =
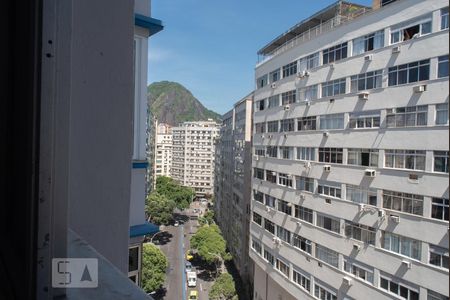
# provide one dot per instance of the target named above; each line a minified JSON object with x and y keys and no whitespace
{"x":350,"y":166}
{"x":163,"y":150}
{"x":232,"y":189}
{"x":193,"y":155}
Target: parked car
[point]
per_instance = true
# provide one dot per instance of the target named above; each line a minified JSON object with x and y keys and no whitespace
{"x":193,"y":295}
{"x":188,"y":266}
{"x":191,"y":279}
{"x":176,"y":224}
{"x":189,"y":255}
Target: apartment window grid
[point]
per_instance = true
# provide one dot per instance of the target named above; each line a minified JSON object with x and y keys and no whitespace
{"x":361,"y":195}
{"x":258,"y":196}
{"x":302,"y":280}
{"x":274,"y":101}
{"x":284,"y":207}
{"x":262,"y":81}
{"x":287,"y":125}
{"x":323,"y":293}
{"x":394,"y":287}
{"x":368,"y":42}
{"x":257,"y":219}
{"x":439,"y":208}
{"x":411,"y":29}
{"x":444,"y":18}
{"x":363,"y":157}
{"x":329,"y":189}
{"x":330,"y":155}
{"x":408,"y":73}
{"x":256,"y":246}
{"x":442,"y":114}
{"x":285,"y":179}
{"x":274,"y":75}
{"x":328,"y":223}
{"x":282,"y":267}
{"x":271,"y":176}
{"x":405,"y":159}
{"x":408,"y":203}
{"x":334,"y":53}
{"x":333,"y":88}
{"x":401,"y":245}
{"x":284,"y":234}
{"x":303,"y":213}
{"x":327,"y":255}
{"x":306,"y":153}
{"x":290,"y":69}
{"x":272,"y":126}
{"x":366,"y":81}
{"x":309,"y":62}
{"x":270,"y":201}
{"x":435,"y":296}
{"x":441,"y":161}
{"x":260,"y":151}
{"x":309,"y":93}
{"x":304,"y":184}
{"x":357,"y":270}
{"x":360,"y":232}
{"x":272,"y":151}
{"x":258,"y":173}
{"x":439,"y":257}
{"x":443,"y":64}
{"x":307,"y":123}
{"x":259,"y":106}
{"x":288,"y":97}
{"x":358,"y":121}
{"x":287,"y":152}
{"x":410,"y":116}
{"x":269,"y":226}
{"x":332,"y":121}
{"x":269,"y":257}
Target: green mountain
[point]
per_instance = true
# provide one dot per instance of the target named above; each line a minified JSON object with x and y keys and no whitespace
{"x":172,"y":103}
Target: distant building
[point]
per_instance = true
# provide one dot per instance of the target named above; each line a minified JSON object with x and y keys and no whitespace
{"x":163,"y":150}
{"x":350,"y":175}
{"x":193,"y":155}
{"x":232,"y":188}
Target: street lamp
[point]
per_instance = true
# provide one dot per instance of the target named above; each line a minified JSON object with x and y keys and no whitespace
{"x":162,"y":228}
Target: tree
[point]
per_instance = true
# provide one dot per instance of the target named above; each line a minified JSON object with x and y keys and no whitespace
{"x":154,"y":265}
{"x":159,"y":208}
{"x":171,"y":189}
{"x":223,"y":288}
{"x":207,"y":218}
{"x":209,"y":243}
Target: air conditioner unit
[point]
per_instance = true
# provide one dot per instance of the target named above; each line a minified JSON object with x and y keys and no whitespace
{"x":285,"y":135}
{"x":369,"y":173}
{"x":368,"y":57}
{"x":307,"y":164}
{"x":326,"y":133}
{"x":332,"y":66}
{"x":262,"y":136}
{"x":299,"y":74}
{"x":395,"y":218}
{"x":274,"y":173}
{"x":299,"y":224}
{"x":289,"y":204}
{"x":305,"y":73}
{"x":381,"y":213}
{"x":286,"y":107}
{"x":327,"y":168}
{"x":363,"y":96}
{"x":361,"y":206}
{"x":328,"y":200}
{"x":420,"y":88}
{"x":332,"y":100}
{"x":356,"y":247}
{"x":302,"y":197}
{"x":396,"y":49}
{"x":413,"y":176}
{"x":267,"y":208}
{"x":273,"y":85}
{"x":347,"y":281}
{"x":308,"y":102}
{"x":270,"y":136}
{"x":406,"y":264}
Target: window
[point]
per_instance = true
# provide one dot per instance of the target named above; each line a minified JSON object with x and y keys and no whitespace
{"x":284,"y":207}
{"x":435,"y":296}
{"x":328,"y":223}
{"x":368,"y":42}
{"x":386,"y":2}
{"x":269,"y":226}
{"x":259,"y":105}
{"x":304,"y":184}
{"x":309,"y":93}
{"x":443,"y":65}
{"x":269,"y":257}
{"x":260,"y":151}
{"x":444,"y":18}
{"x":328,"y":189}
{"x":260,"y":127}
{"x":283,"y":268}
{"x":304,"y":214}
{"x":408,"y":73}
{"x":330,"y":155}
{"x":306,"y":123}
{"x":405,"y":159}
{"x":360,"y":232}
{"x":306,"y":153}
{"x":272,"y":126}
{"x":287,"y":152}
{"x":290,"y":69}
{"x":409,"y":116}
{"x":258,"y":173}
{"x":366,"y":81}
{"x":335,"y":53}
{"x":439,"y":209}
{"x":309,"y":62}
{"x":133,"y":259}
{"x":271,"y":176}
{"x":333,"y":87}
{"x":334,"y":121}
{"x":402,"y":245}
{"x":287,"y":125}
{"x":284,"y":234}
{"x":365,"y":120}
{"x":442,"y":114}
{"x":274,"y":75}
{"x":301,"y":243}
{"x":262,"y":81}
{"x":258,"y":196}
{"x":439,"y":256}
{"x":285,"y":179}
{"x":327,"y":255}
{"x":441,"y":161}
{"x":359,"y":195}
{"x":323,"y":294}
{"x":398,"y":289}
{"x":363,"y":157}
{"x":257,"y":219}
{"x":274,"y":101}
{"x":404,"y":32}
{"x":301,"y":280}
{"x":256,"y":246}
{"x":288,"y":97}
{"x":272,"y":151}
{"x":404,"y":202}
{"x":270,"y":201}
{"x":358,"y":270}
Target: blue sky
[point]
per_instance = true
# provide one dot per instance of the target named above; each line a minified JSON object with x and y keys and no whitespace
{"x":210,"y":46}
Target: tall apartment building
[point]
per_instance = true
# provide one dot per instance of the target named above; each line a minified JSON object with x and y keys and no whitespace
{"x":193,"y":155}
{"x":350,"y":173}
{"x":163,"y":150}
{"x":232,"y":189}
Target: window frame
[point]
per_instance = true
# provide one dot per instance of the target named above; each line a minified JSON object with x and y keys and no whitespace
{"x":335,"y":53}
{"x":403,"y":202}
{"x":395,"y":72}
{"x":402,"y":242}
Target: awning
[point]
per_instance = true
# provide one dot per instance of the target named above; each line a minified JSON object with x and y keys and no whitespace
{"x":153,"y":25}
{"x":143,"y":229}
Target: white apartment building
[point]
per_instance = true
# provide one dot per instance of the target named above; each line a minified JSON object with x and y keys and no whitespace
{"x":232,"y":188}
{"x":163,"y":150}
{"x":193,"y":155}
{"x":350,"y":169}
